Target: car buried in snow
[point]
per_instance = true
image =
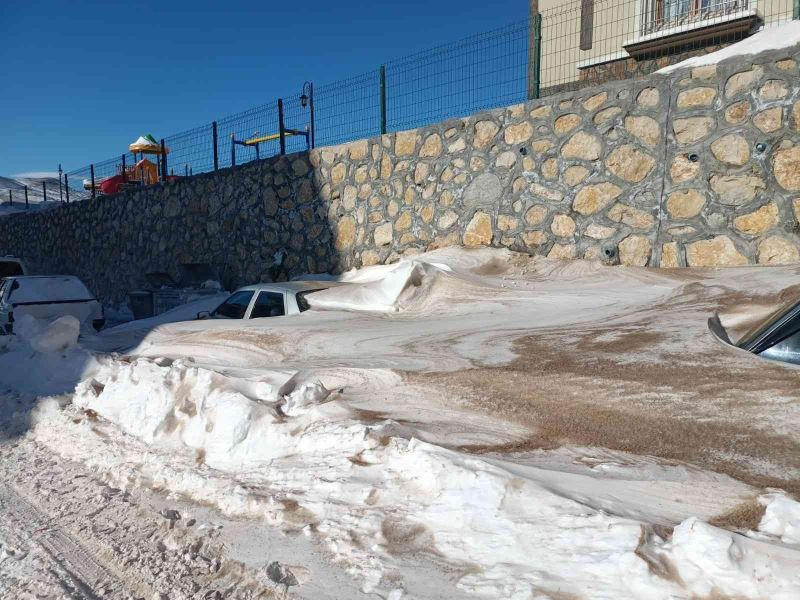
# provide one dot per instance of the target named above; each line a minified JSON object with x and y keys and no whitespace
{"x":47,"y":297}
{"x":267,"y":300}
{"x":10,"y":266}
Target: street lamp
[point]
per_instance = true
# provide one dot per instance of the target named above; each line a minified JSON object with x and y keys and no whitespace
{"x":307,"y":101}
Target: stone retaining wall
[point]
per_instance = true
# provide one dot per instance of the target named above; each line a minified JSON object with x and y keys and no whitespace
{"x":699,"y":168}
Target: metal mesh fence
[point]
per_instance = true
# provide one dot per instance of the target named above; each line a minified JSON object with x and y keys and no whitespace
{"x":566,"y":46}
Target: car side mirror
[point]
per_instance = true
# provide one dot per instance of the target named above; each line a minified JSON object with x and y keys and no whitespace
{"x":203,"y":314}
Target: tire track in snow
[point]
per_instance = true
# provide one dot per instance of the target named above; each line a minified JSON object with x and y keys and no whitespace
{"x":88,"y":577}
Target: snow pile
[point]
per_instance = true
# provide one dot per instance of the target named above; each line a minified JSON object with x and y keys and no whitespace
{"x":781,"y":518}
{"x":769,"y":38}
{"x":374,"y":492}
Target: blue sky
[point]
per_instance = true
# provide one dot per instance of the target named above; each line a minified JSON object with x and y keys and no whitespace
{"x":83,"y":79}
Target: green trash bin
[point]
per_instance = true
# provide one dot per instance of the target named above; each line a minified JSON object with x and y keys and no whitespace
{"x":141,"y":303}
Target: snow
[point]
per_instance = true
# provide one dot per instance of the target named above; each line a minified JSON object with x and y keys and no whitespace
{"x":314,"y":424}
{"x":53,"y":288}
{"x":769,"y":38}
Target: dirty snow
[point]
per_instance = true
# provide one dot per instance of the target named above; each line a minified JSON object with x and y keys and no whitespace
{"x":328,"y":426}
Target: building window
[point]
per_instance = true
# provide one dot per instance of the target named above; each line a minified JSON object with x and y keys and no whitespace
{"x":661,"y":15}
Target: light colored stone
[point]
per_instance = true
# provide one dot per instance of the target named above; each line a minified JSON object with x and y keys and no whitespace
{"x":426,"y":213}
{"x":566,"y":123}
{"x":446,"y":198}
{"x":682,"y":231}
{"x":507,"y":222}
{"x":338,"y":173}
{"x":369,"y":258}
{"x":769,"y":120}
{"x":562,"y":251}
{"x":405,"y":143}
{"x":349,"y":197}
{"x":383,"y":234}
{"x":692,"y":129}
{"x":447,"y":219}
{"x":683,"y":169}
{"x":345,"y":233}
{"x":787,"y":64}
{"x":358,"y":150}
{"x":477,"y":163}
{"x":542,"y":112}
{"x":550,"y":168}
{"x":631,"y":216}
{"x":594,"y":253}
{"x":533,"y":239}
{"x":506,"y":160}
{"x":584,"y":146}
{"x":518,"y":134}
{"x":705,"y":72}
{"x":786,"y":168}
{"x":796,"y":115}
{"x":421,"y":172}
{"x":669,"y":256}
{"x":635,"y":250}
{"x":457,"y":146}
{"x":593,"y":198}
{"x":731,"y":149}
{"x":479,"y":230}
{"x":548,"y":194}
{"x":403,"y":222}
{"x":629,"y":163}
{"x":599,"y":232}
{"x":485,"y":189}
{"x":716,"y":252}
{"x":392,"y":208}
{"x":736,"y":190}
{"x":432,"y":147}
{"x":741,"y":82}
{"x":645,"y":128}
{"x":685,"y":204}
{"x":758,"y":221}
{"x":606,"y":114}
{"x":773,"y":89}
{"x":528,"y":164}
{"x":648,"y":97}
{"x":737,"y":112}
{"x":575,"y":175}
{"x":595,"y":101}
{"x":796,"y":208}
{"x":541,"y":146}
{"x":536,"y":215}
{"x":777,"y":251}
{"x":563,"y":225}
{"x":386,"y":167}
{"x":699,"y":96}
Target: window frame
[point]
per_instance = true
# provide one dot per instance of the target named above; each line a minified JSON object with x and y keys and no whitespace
{"x":247,"y":307}
{"x":255,"y":303}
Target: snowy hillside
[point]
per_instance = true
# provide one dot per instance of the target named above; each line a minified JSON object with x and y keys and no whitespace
{"x":36,"y":199}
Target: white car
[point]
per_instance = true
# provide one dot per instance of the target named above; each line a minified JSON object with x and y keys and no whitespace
{"x":11,"y":266}
{"x":267,"y":300}
{"x":47,"y":297}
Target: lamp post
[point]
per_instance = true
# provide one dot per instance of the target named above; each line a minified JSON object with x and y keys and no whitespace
{"x":307,"y":100}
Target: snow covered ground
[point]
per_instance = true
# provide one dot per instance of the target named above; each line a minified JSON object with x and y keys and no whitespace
{"x":463,"y":424}
{"x":36,"y":197}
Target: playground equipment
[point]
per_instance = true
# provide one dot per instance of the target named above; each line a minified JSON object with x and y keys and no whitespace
{"x":143,"y":172}
{"x":283,"y":133}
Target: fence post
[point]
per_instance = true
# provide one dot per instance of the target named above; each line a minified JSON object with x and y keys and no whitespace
{"x":163,"y":160}
{"x":383,"y":98}
{"x":124,"y":172}
{"x":233,"y":151}
{"x":91,"y":169}
{"x":60,"y":191}
{"x":44,"y":191}
{"x":796,"y":12}
{"x":535,"y":59}
{"x":26,"y":198}
{"x":214,"y":135}
{"x":281,"y":130}
{"x":10,"y":201}
{"x":66,"y":186}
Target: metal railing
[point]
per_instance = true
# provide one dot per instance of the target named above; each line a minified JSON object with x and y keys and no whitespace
{"x":563,"y":46}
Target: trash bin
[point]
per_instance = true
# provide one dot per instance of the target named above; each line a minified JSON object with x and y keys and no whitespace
{"x":141,"y":303}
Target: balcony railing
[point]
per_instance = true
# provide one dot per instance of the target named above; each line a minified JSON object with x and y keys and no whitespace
{"x":663,"y":15}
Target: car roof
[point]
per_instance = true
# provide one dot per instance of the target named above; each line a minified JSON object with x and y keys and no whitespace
{"x":291,"y":287}
{"x":43,"y":277}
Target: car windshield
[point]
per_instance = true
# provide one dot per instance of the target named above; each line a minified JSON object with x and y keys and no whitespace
{"x":756,"y":332}
{"x":234,"y":307}
{"x":10,"y":268}
{"x":48,"y":289}
{"x":302,"y":303}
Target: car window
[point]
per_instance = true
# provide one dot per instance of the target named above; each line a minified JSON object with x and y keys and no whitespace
{"x":268,"y":304}
{"x":10,"y":268}
{"x":3,"y":284}
{"x":302,"y":303}
{"x":235,"y":306}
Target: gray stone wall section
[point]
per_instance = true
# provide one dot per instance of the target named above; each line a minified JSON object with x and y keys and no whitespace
{"x":698,"y":168}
